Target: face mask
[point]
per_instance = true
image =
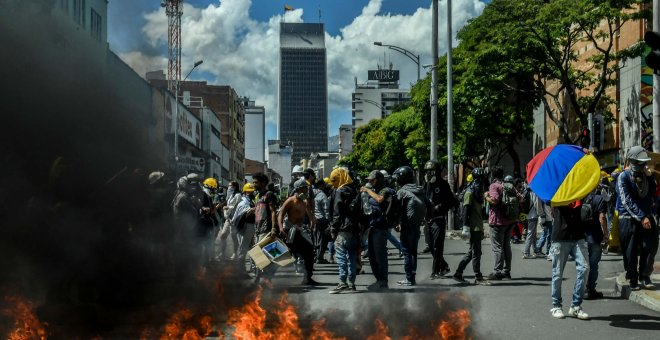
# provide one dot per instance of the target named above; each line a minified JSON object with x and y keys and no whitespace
{"x":230,"y":192}
{"x":430,"y":177}
{"x":207,"y":191}
{"x":301,"y":196}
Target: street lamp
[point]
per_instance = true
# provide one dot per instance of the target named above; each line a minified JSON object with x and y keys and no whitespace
{"x":175,"y":119}
{"x":412,"y":56}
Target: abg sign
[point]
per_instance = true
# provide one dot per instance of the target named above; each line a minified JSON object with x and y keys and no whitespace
{"x":384,"y":75}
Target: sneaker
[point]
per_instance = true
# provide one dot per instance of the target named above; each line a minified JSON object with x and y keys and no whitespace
{"x":459,"y":278}
{"x":647,"y":283}
{"x":539,"y":254}
{"x":445,"y":271}
{"x":506,"y":277}
{"x":405,"y":283}
{"x":341,"y":287}
{"x":557,"y":313}
{"x":634,"y":285}
{"x":577,"y":312}
{"x":481,"y":281}
{"x":426,"y":250}
{"x":435,"y":276}
{"x":529,"y":256}
{"x":548,"y":257}
{"x":352,"y":287}
{"x":495,"y":276}
{"x":593,"y":294}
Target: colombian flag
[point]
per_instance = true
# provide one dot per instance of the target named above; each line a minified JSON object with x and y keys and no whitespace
{"x":563,"y":174}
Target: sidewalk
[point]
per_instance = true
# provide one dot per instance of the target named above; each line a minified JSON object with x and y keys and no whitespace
{"x":647,"y":298}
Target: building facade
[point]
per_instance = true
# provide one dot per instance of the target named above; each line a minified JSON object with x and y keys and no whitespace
{"x":255,"y":131}
{"x":345,"y":140}
{"x":378,"y":97}
{"x":303,"y":89}
{"x":279,"y":160}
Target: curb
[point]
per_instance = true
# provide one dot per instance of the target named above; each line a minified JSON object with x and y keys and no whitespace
{"x":647,"y":298}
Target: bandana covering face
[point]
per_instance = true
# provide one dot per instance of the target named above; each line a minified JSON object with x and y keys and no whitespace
{"x":340,"y":177}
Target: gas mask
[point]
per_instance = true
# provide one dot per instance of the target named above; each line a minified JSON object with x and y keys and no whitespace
{"x":430,"y":176}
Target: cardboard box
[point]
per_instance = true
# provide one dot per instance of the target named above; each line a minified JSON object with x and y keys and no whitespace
{"x":262,"y":259}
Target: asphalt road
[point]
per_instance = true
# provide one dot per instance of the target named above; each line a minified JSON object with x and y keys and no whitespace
{"x":516,"y":309}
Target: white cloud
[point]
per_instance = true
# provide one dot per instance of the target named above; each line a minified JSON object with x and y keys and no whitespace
{"x":244,"y":53}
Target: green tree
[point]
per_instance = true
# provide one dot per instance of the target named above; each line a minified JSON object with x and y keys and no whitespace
{"x":555,"y":35}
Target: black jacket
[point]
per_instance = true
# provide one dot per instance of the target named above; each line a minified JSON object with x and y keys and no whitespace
{"x":341,"y":216}
{"x":441,"y":198}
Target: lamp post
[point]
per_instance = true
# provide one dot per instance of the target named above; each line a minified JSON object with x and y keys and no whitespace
{"x":175,"y":119}
{"x":414,"y":57}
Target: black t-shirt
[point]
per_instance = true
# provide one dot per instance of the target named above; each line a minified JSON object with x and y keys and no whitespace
{"x":594,"y":232}
{"x":567,"y":225}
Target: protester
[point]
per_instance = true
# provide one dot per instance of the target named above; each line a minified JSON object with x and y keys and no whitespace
{"x":295,"y":209}
{"x":413,"y":204}
{"x":473,"y":227}
{"x":344,"y":229}
{"x":243,"y":222}
{"x":379,"y":201}
{"x":533,"y":214}
{"x":442,"y":200}
{"x":208,"y":219}
{"x":636,"y":193}
{"x":596,"y":232}
{"x":501,"y":220}
{"x":568,"y":238}
{"x":265,"y":216}
{"x":233,"y":198}
{"x":321,"y":213}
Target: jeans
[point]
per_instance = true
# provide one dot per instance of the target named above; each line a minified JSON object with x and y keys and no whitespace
{"x":474,"y":255}
{"x":545,"y":238}
{"x":531,"y":235}
{"x":346,"y":246}
{"x":595,"y":252}
{"x":639,"y":246}
{"x":437,"y":245}
{"x":393,"y":240}
{"x":409,"y":240}
{"x":559,"y":252}
{"x":500,"y":238}
{"x":378,"y":253}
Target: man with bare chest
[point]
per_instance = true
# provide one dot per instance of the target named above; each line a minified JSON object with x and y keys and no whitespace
{"x":291,"y":227}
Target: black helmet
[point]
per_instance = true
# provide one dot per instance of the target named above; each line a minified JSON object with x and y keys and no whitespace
{"x":403,"y":175}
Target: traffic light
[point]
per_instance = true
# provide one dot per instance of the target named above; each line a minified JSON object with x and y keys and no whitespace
{"x":585,"y":137}
{"x":652,"y":39}
{"x":597,"y":134}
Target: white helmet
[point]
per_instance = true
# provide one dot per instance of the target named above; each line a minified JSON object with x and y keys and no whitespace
{"x":297,"y":170}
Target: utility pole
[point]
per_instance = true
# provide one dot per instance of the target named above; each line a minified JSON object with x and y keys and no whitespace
{"x":434,"y":86}
{"x":450,"y":115}
{"x":656,"y":84}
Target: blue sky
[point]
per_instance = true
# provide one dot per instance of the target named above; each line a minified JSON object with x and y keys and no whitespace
{"x":238,"y":41}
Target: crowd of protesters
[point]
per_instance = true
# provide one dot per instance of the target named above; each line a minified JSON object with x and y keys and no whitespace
{"x":345,"y":220}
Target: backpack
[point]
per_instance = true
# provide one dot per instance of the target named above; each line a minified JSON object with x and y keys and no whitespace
{"x":509,"y":205}
{"x":586,"y":210}
{"x":393,"y":211}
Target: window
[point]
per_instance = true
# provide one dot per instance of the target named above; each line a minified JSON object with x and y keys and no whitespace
{"x":79,"y":12}
{"x":95,"y":26}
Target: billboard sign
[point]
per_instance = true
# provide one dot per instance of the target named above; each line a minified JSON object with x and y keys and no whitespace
{"x":384,"y":75}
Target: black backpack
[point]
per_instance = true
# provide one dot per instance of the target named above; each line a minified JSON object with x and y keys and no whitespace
{"x":393,"y":211}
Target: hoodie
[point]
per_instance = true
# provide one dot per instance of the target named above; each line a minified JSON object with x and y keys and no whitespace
{"x":413,"y":205}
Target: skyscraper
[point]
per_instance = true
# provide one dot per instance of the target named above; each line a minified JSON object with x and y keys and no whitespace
{"x":303,"y":89}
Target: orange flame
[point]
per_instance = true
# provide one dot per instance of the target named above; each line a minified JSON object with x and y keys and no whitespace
{"x":381,"y":331}
{"x":320,"y":332}
{"x":178,"y":327}
{"x":454,"y":328}
{"x":27,"y":324}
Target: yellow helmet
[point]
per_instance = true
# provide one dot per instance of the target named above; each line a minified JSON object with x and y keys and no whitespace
{"x":469,"y":178}
{"x":248,"y":187}
{"x":211,"y":183}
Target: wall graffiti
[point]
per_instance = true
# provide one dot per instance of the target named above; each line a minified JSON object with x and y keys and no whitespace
{"x":646,"y":106}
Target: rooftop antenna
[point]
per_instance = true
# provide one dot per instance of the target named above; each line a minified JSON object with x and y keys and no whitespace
{"x":319,"y":13}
